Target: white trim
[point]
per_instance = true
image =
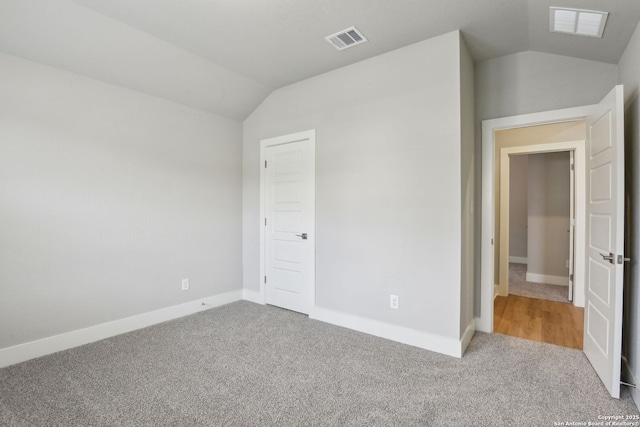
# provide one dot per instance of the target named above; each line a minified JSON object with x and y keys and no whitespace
{"x":627,"y":376}
{"x":42,"y":347}
{"x":466,"y":336}
{"x":489,"y":127}
{"x":309,"y":135}
{"x":252,"y":296}
{"x":577,"y":147}
{"x":547,"y":278}
{"x":503,"y":270}
{"x":518,"y":260}
{"x":401,"y":334}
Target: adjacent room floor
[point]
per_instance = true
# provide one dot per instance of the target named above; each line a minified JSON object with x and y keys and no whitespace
{"x":538,"y":312}
{"x":539,"y":320}
{"x":518,"y":285}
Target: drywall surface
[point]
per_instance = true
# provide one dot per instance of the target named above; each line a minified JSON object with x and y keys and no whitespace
{"x":108,"y":198}
{"x":518,"y":202}
{"x":548,"y":212}
{"x":72,"y":37}
{"x":468,"y":186}
{"x":629,"y":75}
{"x":388,"y":215}
{"x":532,"y":135}
{"x":529,"y":82}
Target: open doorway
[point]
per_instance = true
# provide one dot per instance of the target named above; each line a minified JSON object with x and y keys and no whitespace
{"x":548,"y":148}
{"x":600,"y":161}
{"x":537,"y":223}
{"x":540,"y":228}
{"x":535,"y":220}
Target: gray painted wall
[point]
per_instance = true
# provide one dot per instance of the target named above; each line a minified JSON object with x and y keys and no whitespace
{"x":108,"y":198}
{"x":388,"y":183}
{"x":629,"y":75}
{"x":518,"y":205}
{"x":529,"y":82}
{"x":548,"y":214}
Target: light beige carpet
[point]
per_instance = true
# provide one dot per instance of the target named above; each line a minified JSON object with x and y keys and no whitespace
{"x":245,"y":364}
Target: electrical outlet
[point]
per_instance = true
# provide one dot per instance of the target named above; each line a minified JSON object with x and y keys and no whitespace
{"x":393,"y":301}
{"x":185,"y":284}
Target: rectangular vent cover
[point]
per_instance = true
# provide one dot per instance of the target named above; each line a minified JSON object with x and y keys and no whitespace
{"x":346,"y":38}
{"x":580,"y":22}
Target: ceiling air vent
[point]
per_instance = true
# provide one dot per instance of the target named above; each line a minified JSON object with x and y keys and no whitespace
{"x":346,"y":38}
{"x":588,"y":23}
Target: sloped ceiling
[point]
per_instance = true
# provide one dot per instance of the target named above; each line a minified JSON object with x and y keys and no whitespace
{"x":66,"y":35}
{"x":225,"y":56}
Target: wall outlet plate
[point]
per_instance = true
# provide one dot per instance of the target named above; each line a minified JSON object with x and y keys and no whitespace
{"x":393,"y":302}
{"x":185,"y":284}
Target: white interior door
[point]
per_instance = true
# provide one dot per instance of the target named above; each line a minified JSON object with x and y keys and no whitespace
{"x":605,"y":233}
{"x":289,"y":225}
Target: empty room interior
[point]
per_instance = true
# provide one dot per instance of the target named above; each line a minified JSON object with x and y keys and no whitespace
{"x":319,"y":213}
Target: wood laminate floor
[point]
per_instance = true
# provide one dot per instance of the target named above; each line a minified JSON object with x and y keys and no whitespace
{"x":539,"y":320}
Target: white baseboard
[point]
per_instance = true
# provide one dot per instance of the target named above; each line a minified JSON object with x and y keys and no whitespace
{"x":548,"y":279}
{"x":424,"y":340}
{"x":42,"y":347}
{"x":519,"y":260}
{"x":466,"y":336}
{"x":252,"y":296}
{"x":483,"y":326}
{"x":629,"y":377}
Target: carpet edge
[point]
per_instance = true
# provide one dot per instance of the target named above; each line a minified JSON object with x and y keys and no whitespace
{"x":53,"y":344}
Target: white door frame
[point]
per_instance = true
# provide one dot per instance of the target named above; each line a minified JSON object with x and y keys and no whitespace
{"x":310,"y":136}
{"x":489,"y":127}
{"x":573,"y":184}
{"x":578,"y":147}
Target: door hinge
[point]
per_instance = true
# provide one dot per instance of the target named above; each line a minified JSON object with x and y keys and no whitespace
{"x":265,"y":221}
{"x":571,"y":277}
{"x":265,"y":164}
{"x":573,"y":166}
{"x":265,"y":279}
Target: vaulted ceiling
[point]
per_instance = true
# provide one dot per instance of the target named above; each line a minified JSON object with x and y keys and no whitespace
{"x":225,"y":56}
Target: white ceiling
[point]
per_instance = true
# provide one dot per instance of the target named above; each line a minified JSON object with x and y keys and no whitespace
{"x":225,"y":56}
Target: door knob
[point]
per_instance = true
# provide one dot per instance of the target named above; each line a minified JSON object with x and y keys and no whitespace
{"x":303,"y":235}
{"x":622,"y":259}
